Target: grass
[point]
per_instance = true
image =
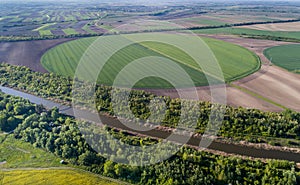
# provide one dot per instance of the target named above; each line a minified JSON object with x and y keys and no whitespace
{"x":105,"y":26}
{"x":19,"y":154}
{"x":286,"y":56}
{"x":45,"y":32}
{"x":52,"y":176}
{"x":234,"y":61}
{"x":42,"y":29}
{"x":70,"y":31}
{"x":22,"y":163}
{"x":44,"y":26}
{"x":251,"y":32}
{"x":199,"y":20}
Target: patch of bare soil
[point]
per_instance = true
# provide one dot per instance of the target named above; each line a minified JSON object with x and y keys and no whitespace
{"x":234,"y":97}
{"x":27,"y":53}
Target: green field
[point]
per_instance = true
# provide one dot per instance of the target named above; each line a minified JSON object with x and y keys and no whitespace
{"x":88,"y":29}
{"x":18,"y":154}
{"x":286,"y":56}
{"x":234,"y":61}
{"x":22,"y":163}
{"x":202,"y":21}
{"x":51,"y":176}
{"x":42,"y":29}
{"x":44,"y":26}
{"x":70,"y":31}
{"x":105,"y":26}
{"x":251,"y":32}
{"x":45,"y":32}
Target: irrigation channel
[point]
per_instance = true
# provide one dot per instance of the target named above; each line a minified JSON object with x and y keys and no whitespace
{"x":194,"y":141}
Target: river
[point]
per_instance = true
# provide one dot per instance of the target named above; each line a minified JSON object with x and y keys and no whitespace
{"x":194,"y":141}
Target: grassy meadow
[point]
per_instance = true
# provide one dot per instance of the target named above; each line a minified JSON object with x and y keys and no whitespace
{"x":70,"y":31}
{"x":19,"y":154}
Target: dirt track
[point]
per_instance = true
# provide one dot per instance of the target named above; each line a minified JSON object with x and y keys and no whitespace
{"x":27,"y":53}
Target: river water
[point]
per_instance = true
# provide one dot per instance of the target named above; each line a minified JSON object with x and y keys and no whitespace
{"x":89,"y":116}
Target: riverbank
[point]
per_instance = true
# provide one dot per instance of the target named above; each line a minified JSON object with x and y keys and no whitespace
{"x":242,"y":149}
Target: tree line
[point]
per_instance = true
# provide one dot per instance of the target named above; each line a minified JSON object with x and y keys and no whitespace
{"x":59,"y":134}
{"x":238,"y":123}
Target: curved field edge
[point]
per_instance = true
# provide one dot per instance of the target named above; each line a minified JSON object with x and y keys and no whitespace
{"x":285,"y":56}
{"x":251,"y":71}
{"x":70,"y":54}
{"x":53,"y":176}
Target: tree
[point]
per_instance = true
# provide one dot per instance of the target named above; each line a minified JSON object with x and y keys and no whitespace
{"x":109,"y":169}
{"x":88,"y":158}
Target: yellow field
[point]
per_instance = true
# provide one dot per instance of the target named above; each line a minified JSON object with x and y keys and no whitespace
{"x":51,"y":176}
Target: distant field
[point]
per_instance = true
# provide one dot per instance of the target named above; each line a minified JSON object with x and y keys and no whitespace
{"x":235,"y":61}
{"x":70,"y":31}
{"x":287,"y":57}
{"x":44,"y":26}
{"x":42,"y":30}
{"x":88,"y":29}
{"x":201,"y":21}
{"x":52,"y":176}
{"x":290,"y":26}
{"x":45,"y":32}
{"x":254,"y":32}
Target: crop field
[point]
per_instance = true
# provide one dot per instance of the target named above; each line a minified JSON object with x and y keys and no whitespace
{"x":235,"y":61}
{"x":88,"y":29}
{"x":45,"y":32}
{"x":286,"y":56}
{"x":251,"y":32}
{"x":199,"y":21}
{"x":52,"y":176}
{"x":70,"y":31}
{"x":20,"y":20}
{"x":291,"y":26}
{"x":22,"y":163}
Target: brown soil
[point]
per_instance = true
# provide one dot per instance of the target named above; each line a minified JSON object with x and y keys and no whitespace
{"x":27,"y":53}
{"x":234,"y":97}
